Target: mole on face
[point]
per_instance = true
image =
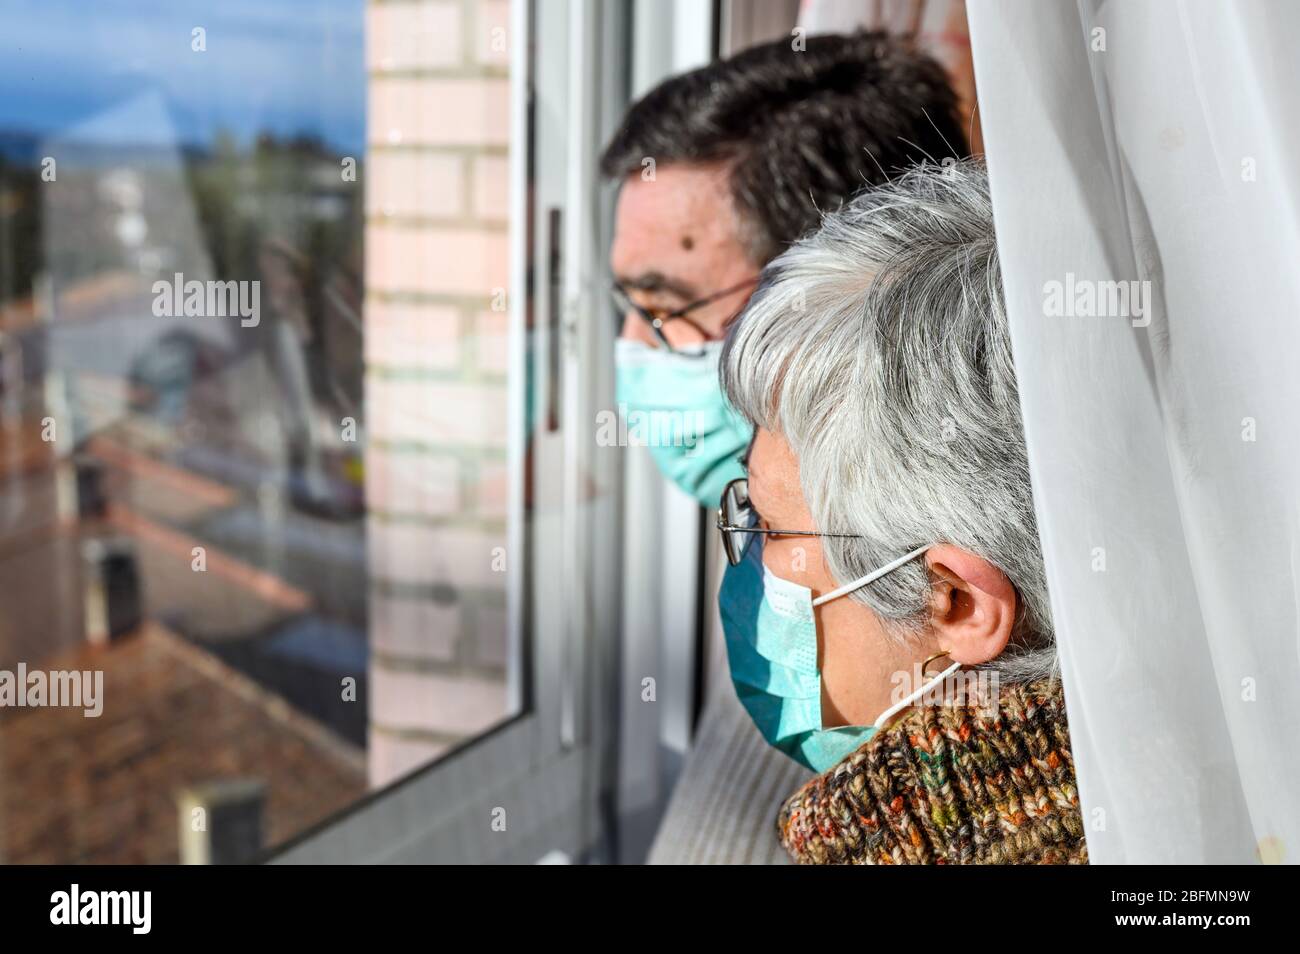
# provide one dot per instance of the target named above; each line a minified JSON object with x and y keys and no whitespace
{"x":688,"y":243}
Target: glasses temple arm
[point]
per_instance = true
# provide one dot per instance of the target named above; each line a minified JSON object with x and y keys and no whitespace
{"x":784,"y":533}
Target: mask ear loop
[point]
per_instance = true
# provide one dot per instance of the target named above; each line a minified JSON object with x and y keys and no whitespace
{"x":870,"y":577}
{"x":925,"y":687}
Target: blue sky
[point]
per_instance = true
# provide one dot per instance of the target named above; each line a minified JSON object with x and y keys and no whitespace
{"x":287,"y":66}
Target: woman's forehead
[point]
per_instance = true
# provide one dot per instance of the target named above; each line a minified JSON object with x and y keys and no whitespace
{"x":774,"y":476}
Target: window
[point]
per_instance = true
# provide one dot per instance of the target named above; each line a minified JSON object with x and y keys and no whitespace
{"x":256,"y":345}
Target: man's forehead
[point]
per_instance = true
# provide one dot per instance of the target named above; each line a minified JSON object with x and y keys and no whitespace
{"x":686,"y":207}
{"x":689,"y":182}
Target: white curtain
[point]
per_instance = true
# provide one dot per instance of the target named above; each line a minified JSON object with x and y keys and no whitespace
{"x":1157,"y":142}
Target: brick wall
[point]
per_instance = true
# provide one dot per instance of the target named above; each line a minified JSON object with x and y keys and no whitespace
{"x":436,"y":251}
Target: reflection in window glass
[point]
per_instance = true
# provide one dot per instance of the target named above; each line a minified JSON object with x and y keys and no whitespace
{"x":252,"y":414}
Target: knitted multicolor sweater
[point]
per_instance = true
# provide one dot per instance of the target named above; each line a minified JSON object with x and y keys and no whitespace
{"x":949,"y":785}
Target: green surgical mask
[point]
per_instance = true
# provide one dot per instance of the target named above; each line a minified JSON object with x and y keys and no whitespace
{"x":674,"y":405}
{"x":771,"y":634}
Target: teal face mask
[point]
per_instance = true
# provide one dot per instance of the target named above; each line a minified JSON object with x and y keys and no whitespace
{"x":771,"y":638}
{"x":676,"y":403}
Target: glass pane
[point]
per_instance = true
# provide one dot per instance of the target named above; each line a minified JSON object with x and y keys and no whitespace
{"x":254,"y":476}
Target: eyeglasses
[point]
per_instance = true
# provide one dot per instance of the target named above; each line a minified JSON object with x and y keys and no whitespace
{"x":687,"y":333}
{"x":737,"y":519}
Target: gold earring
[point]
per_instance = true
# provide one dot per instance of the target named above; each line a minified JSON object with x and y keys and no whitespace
{"x":930,"y":659}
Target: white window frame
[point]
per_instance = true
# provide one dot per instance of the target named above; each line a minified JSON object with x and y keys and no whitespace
{"x":665,"y":557}
{"x":537,"y":786}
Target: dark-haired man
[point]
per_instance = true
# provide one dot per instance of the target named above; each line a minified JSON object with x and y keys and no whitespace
{"x":721,"y":169}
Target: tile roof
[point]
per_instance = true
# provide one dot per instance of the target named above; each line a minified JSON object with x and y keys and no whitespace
{"x":103,"y":790}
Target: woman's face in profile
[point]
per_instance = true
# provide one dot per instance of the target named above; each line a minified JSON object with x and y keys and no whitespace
{"x":856,"y":656}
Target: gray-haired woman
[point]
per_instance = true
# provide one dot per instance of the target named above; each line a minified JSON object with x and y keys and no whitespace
{"x":887,"y":523}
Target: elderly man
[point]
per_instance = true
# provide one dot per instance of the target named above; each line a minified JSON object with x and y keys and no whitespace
{"x":887,"y":522}
{"x":722,"y":168}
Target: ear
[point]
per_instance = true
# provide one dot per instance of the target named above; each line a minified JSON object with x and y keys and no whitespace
{"x":972,"y":605}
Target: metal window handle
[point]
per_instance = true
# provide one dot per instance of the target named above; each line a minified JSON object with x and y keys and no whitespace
{"x":554,"y":315}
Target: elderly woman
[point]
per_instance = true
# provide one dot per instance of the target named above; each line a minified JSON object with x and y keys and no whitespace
{"x":886,"y":523}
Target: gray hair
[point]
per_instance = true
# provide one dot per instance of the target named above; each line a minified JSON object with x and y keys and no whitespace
{"x":878,"y":347}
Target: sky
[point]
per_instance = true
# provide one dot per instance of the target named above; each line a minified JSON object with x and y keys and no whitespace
{"x":283,"y":66}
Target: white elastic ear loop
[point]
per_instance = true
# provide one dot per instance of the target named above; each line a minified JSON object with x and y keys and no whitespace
{"x":870,"y":577}
{"x":903,"y":704}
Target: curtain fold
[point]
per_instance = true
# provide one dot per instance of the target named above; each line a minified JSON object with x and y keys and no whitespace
{"x":1146,"y":210}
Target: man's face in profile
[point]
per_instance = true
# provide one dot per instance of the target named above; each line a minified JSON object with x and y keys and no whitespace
{"x":676,"y":241}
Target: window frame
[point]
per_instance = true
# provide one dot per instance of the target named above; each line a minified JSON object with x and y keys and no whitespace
{"x":535,"y":785}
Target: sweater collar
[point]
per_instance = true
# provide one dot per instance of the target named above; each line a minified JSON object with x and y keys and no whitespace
{"x":949,"y":784}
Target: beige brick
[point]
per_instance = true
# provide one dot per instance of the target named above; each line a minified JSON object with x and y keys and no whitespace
{"x":434,"y":702}
{"x":412,"y":482}
{"x":414,"y":627}
{"x":493,"y":488}
{"x":410,"y":335}
{"x":492,"y":39}
{"x":420,"y":554}
{"x":428,"y":185}
{"x":492,"y":344}
{"x":412,"y":36}
{"x":436,"y":412}
{"x":447,"y":112}
{"x":491,"y":188}
{"x":389,"y":756}
{"x":463,"y":261}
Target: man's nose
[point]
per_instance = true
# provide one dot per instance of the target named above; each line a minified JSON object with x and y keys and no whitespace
{"x":636,"y":328}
